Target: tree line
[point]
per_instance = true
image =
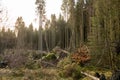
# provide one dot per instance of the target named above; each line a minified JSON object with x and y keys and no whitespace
{"x":24,"y":37}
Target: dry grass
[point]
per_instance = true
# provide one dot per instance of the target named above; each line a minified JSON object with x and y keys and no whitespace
{"x":27,"y":74}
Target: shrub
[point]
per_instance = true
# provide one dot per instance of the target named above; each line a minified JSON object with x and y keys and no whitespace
{"x":68,"y":69}
{"x":71,"y":70}
{"x":31,"y":64}
{"x":64,"y":62}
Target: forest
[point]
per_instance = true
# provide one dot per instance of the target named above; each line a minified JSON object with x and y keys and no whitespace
{"x":83,"y":43}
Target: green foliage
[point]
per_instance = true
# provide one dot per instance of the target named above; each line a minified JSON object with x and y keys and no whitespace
{"x":50,"y":56}
{"x":7,"y":39}
{"x":31,"y":64}
{"x":90,"y":67}
{"x":33,"y":59}
{"x":71,"y":70}
{"x":68,"y":69}
{"x":64,"y":62}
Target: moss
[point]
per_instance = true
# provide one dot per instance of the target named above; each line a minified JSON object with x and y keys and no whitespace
{"x":50,"y":56}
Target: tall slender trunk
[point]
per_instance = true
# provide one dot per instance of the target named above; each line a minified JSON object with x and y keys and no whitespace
{"x":40,"y":33}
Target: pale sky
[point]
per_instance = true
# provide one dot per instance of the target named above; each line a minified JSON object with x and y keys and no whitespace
{"x":26,"y":9}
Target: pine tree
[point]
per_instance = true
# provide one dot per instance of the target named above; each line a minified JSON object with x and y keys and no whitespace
{"x":41,"y":11}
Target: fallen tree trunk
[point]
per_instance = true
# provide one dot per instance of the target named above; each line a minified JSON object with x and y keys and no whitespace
{"x":59,"y":50}
{"x":93,"y":77}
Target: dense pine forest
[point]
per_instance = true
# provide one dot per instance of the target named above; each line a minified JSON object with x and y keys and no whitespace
{"x":83,"y":41}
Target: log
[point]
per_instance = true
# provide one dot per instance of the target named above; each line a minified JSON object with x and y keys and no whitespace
{"x":93,"y":77}
{"x":58,"y":49}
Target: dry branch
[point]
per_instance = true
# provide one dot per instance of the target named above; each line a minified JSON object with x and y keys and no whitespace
{"x":93,"y":77}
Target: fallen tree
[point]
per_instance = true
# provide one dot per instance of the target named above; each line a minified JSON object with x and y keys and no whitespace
{"x":88,"y":75}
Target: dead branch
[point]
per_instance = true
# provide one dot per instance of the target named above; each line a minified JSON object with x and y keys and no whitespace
{"x":93,"y":77}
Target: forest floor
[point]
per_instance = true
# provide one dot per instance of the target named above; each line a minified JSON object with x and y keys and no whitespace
{"x":28,"y":74}
{"x":40,"y":74}
{"x":30,"y":65}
